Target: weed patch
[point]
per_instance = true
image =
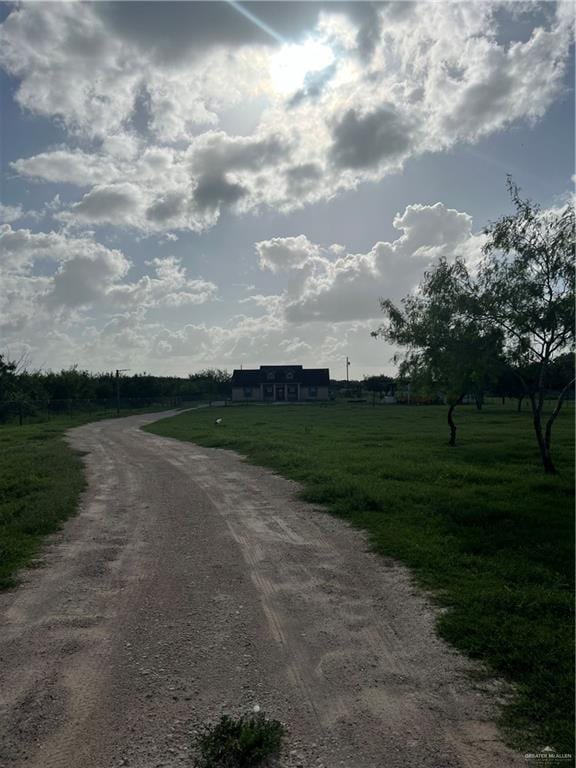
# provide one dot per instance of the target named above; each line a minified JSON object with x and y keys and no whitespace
{"x":243,"y":742}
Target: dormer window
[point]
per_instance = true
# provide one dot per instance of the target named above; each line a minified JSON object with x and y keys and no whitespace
{"x":290,"y":375}
{"x":270,"y":375}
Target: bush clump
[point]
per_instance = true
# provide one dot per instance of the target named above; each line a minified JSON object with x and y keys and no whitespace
{"x":242,"y":742}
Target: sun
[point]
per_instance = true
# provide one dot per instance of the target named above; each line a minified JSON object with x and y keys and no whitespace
{"x":294,"y":61}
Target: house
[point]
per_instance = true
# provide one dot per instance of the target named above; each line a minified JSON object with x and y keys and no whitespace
{"x":280,"y":383}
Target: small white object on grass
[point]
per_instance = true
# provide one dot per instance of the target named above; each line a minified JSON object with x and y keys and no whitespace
{"x":218,"y":421}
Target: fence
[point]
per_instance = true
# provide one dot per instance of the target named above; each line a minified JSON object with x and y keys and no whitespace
{"x":28,"y":411}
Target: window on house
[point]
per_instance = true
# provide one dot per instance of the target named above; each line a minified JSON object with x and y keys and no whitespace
{"x":270,"y":375}
{"x":312,"y":391}
{"x":290,"y":375}
{"x":247,"y":391}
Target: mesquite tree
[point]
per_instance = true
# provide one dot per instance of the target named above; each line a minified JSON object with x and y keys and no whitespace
{"x":525,"y":287}
{"x":448,"y":351}
{"x":8,"y":380}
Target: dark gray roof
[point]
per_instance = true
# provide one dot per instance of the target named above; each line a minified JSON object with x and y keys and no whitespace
{"x":318,"y":377}
{"x":279,"y":368}
{"x":245,"y":378}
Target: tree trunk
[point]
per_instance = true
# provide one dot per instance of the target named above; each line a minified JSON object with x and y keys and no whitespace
{"x":544,"y":449}
{"x":554,"y":414}
{"x":520,"y":399}
{"x":479,"y":402}
{"x":452,"y":440}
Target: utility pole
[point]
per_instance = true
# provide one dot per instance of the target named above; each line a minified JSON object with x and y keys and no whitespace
{"x":118,"y":372}
{"x":347,"y":370}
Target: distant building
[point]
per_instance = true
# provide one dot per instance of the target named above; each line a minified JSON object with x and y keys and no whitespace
{"x":281,"y":383}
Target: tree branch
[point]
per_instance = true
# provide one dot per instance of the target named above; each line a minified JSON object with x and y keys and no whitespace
{"x":555,"y":412}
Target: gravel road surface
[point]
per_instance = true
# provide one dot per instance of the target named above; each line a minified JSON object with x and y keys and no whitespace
{"x":192,"y":584}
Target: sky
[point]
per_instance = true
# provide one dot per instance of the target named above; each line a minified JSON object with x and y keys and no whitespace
{"x":221,"y":184}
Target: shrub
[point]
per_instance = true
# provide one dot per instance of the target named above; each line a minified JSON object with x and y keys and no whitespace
{"x":243,"y":742}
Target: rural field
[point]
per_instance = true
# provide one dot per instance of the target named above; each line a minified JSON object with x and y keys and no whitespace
{"x":287,"y":384}
{"x":194,"y":588}
{"x":480,"y":525}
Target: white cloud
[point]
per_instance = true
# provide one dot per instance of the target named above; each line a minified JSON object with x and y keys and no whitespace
{"x":407,"y":79}
{"x":325,"y":284}
{"x":92,"y":65}
{"x":86,"y":278}
{"x":143,"y":94}
{"x":54,"y":280}
{"x":10,"y":213}
{"x":21,"y":248}
{"x":56,"y":50}
{"x":432,"y":226}
{"x":285,"y":253}
{"x":326,"y":304}
{"x":170,"y":286}
{"x":69,"y":167}
{"x":365,"y":140}
{"x":114,"y":204}
{"x":69,"y":300}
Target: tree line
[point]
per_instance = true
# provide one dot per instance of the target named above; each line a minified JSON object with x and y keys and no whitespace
{"x":506,"y":322}
{"x":32,"y":392}
{"x":505,"y":385}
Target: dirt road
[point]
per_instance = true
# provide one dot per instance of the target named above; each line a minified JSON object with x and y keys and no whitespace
{"x":192,"y":584}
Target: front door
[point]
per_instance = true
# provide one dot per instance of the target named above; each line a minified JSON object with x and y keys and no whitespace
{"x":280,"y":392}
{"x":268,"y":391}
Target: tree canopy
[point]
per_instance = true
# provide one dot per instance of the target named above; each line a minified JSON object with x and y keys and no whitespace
{"x":525,"y":287}
{"x":448,"y":351}
{"x":510,"y":315}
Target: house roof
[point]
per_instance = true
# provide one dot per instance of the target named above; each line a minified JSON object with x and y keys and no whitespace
{"x":279,"y":368}
{"x":318,"y":377}
{"x":246,"y":378}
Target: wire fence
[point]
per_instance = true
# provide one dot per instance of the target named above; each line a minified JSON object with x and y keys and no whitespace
{"x":26,"y":411}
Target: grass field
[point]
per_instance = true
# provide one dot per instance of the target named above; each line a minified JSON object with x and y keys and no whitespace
{"x":40,"y":481}
{"x":480,"y":525}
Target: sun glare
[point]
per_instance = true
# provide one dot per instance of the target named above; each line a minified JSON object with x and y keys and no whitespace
{"x":293,"y":62}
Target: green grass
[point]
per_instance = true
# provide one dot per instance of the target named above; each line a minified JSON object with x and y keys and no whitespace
{"x":243,"y":742}
{"x":480,"y":525}
{"x":40,"y":482}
